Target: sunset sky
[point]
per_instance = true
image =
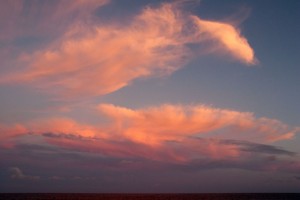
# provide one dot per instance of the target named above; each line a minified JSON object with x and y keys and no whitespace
{"x":149,"y":96}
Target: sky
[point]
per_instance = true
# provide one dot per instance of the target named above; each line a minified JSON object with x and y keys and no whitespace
{"x":149,"y":96}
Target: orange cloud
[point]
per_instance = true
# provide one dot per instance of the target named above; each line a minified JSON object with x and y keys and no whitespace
{"x":156,"y":125}
{"x":229,"y":37}
{"x":168,"y":133}
{"x":100,"y":59}
{"x":64,"y":126}
{"x":8,"y":133}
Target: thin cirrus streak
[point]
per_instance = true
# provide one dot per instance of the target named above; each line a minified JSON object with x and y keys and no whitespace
{"x":103,"y":58}
{"x":171,"y":133}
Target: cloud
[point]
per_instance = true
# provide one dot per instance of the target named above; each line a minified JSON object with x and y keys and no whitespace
{"x":168,"y":133}
{"x":74,"y":178}
{"x":185,"y":135}
{"x":192,"y":154}
{"x":229,"y":37}
{"x":169,"y":122}
{"x":92,"y":59}
{"x":21,"y":18}
{"x":68,"y":127}
{"x":9,"y":132}
{"x":16,"y":173}
{"x":261,"y":148}
{"x":79,"y":178}
{"x":57,"y":178}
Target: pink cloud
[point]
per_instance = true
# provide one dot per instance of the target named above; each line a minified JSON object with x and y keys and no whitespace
{"x":8,"y":134}
{"x":169,"y":133}
{"x":229,"y":38}
{"x":21,"y":18}
{"x":175,"y":122}
{"x":99,"y":59}
{"x":9,"y":11}
{"x":64,"y":126}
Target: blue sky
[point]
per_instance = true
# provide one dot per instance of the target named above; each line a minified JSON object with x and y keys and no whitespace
{"x":151,"y":96}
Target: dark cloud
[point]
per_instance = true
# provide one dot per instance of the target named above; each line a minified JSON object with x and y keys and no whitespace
{"x":258,"y":148}
{"x":63,"y":135}
{"x":67,"y":167}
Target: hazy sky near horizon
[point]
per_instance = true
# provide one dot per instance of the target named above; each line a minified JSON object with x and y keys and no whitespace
{"x":149,"y":96}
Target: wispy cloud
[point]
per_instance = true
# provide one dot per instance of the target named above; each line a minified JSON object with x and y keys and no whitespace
{"x":93,"y":59}
{"x":16,"y":173}
{"x":174,"y":122}
{"x":9,"y":132}
{"x":173,"y":134}
{"x":229,"y":38}
{"x":21,"y":18}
